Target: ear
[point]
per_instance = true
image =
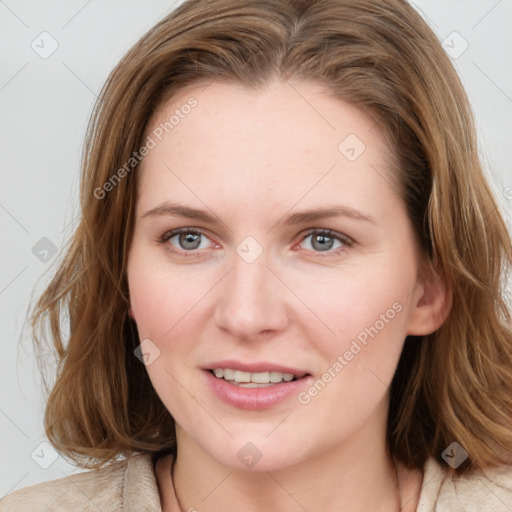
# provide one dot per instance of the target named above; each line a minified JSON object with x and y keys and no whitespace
{"x":131,"y":313}
{"x":430,"y":305}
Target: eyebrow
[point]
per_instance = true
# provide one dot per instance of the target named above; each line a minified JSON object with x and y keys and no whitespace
{"x":179,"y":210}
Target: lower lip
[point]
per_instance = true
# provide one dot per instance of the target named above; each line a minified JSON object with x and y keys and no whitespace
{"x":255,"y":398}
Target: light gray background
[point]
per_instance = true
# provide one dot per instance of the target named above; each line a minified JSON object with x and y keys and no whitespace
{"x":45,"y":105}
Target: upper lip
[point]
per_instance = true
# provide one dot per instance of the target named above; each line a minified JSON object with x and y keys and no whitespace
{"x":255,"y":367}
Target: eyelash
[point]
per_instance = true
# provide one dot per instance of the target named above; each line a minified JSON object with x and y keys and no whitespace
{"x":345,"y":240}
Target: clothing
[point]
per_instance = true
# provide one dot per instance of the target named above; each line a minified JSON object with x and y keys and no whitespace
{"x":131,"y":486}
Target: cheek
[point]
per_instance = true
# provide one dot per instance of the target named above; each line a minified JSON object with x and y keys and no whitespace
{"x":367,"y":310}
{"x":148,"y":296}
{"x":162,"y":304}
{"x":369,"y":319}
{"x":362,"y":304}
{"x":162,"y":299}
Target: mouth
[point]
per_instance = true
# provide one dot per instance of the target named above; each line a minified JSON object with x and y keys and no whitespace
{"x":254,"y":385}
{"x":246,"y":379}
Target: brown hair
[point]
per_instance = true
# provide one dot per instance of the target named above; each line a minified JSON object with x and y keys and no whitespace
{"x":453,"y":385}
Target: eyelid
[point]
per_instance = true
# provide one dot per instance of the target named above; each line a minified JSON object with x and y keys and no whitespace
{"x":173,"y":232}
{"x":341,"y":237}
{"x":330,"y":233}
{"x":345,"y":240}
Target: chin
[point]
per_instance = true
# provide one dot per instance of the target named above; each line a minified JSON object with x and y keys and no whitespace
{"x":256,"y":455}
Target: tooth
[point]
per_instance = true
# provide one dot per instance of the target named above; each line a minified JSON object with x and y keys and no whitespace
{"x":254,"y":385}
{"x":260,"y":377}
{"x":257,"y":378}
{"x":275,"y":376}
{"x":229,"y":374}
{"x":242,"y":376}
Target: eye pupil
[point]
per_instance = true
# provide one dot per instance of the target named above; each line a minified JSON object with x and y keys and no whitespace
{"x":325,"y":242}
{"x":191,"y":241}
{"x":190,"y":238}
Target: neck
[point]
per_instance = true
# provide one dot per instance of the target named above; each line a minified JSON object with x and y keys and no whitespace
{"x":357,"y":475}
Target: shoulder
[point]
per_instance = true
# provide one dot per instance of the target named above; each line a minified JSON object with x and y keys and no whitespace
{"x":124,"y":485}
{"x":482,"y":489}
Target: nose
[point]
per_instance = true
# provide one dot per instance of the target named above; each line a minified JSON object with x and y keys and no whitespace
{"x":251,"y":300}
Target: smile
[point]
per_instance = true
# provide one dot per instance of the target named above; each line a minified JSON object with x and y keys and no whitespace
{"x":253,"y":379}
{"x":245,"y":388}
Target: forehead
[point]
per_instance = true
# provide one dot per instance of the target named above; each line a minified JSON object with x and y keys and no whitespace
{"x":286,"y":139}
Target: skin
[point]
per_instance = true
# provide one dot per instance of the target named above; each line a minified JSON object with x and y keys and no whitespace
{"x":251,"y":158}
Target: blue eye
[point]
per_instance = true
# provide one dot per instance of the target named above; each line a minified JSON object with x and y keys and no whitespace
{"x":324,"y":240}
{"x":189,"y":242}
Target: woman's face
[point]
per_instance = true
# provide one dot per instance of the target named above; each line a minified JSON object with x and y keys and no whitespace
{"x":256,"y":285}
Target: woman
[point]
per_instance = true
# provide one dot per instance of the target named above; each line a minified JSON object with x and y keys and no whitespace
{"x":286,"y":288}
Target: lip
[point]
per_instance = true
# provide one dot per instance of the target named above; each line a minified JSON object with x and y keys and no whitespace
{"x":255,"y":367}
{"x":255,"y":398}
